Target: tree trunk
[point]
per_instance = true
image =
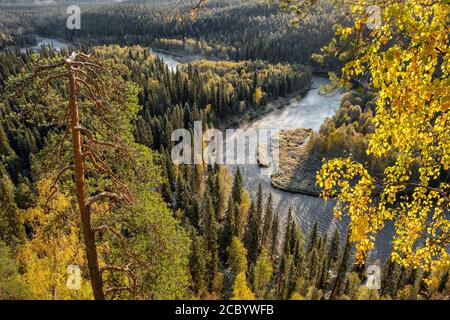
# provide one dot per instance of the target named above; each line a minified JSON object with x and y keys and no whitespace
{"x":88,"y":233}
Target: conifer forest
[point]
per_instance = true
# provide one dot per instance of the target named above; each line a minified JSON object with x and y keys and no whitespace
{"x":116,"y":181}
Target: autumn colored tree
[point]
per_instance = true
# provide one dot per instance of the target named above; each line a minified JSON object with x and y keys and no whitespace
{"x":262,"y":275}
{"x":240,"y":289}
{"x":113,"y":178}
{"x":55,"y":245}
{"x":237,"y":256}
{"x":399,"y":50}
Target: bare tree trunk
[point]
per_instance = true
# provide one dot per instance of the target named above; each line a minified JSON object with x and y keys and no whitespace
{"x":88,"y":232}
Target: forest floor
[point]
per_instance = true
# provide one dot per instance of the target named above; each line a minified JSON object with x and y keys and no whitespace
{"x":297,"y":166}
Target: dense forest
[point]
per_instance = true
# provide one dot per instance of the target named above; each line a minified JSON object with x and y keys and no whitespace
{"x":159,"y":230}
{"x":226,"y":30}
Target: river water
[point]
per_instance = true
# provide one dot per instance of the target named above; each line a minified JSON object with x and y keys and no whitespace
{"x":307,"y":112}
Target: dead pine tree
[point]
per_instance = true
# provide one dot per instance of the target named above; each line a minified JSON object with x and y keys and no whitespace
{"x":86,"y":73}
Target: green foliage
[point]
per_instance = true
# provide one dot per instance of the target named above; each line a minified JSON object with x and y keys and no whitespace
{"x":262,"y":274}
{"x":11,"y":228}
{"x":11,"y":285}
{"x":149,"y":226}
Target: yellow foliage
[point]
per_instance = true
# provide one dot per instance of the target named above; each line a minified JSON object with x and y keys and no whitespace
{"x":55,"y":245}
{"x":407,"y":58}
{"x":257,"y":96}
{"x":240,"y":289}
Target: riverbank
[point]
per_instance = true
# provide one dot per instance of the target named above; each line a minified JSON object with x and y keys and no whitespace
{"x":271,"y":106}
{"x":180,"y":58}
{"x":298,"y":167}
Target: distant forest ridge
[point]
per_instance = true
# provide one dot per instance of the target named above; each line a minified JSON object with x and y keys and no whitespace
{"x":54,"y":2}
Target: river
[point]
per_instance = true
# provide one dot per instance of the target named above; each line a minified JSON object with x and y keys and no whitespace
{"x":307,"y":112}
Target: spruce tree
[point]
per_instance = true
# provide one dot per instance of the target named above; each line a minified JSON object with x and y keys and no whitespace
{"x":267,"y":227}
{"x":339,"y":282}
{"x":227,"y":230}
{"x":11,"y":228}
{"x":275,"y":232}
{"x":283,"y":276}
{"x":209,"y":228}
{"x":238,"y":187}
{"x":333,"y":252}
{"x":388,"y":278}
{"x":443,"y":281}
{"x":313,"y":238}
{"x":197,"y":266}
{"x":259,"y":201}
{"x":252,"y":236}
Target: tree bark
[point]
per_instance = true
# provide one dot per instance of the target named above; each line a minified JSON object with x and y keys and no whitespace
{"x":88,"y":232}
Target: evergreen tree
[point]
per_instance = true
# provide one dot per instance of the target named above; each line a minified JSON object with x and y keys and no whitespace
{"x":197,"y":266}
{"x":252,"y":236}
{"x":275,"y":232}
{"x":443,"y":281}
{"x":11,"y":227}
{"x":389,"y":278}
{"x":210,"y":233}
{"x":238,"y":188}
{"x":227,"y":229}
{"x":259,"y":201}
{"x":267,"y":227}
{"x":339,"y":282}
{"x":313,"y":238}
{"x":323,"y":278}
{"x":333,"y":252}
{"x":282,"y":280}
